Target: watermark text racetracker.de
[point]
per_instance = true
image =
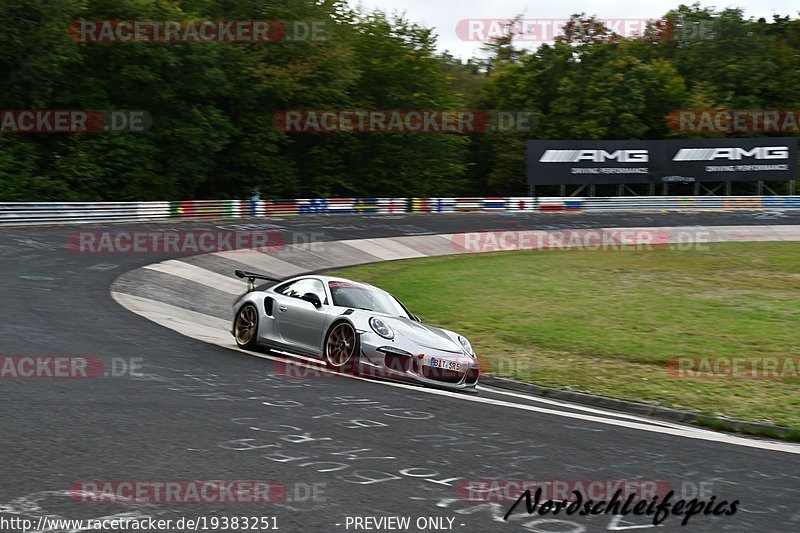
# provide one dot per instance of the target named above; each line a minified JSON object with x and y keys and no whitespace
{"x":604,"y":240}
{"x":776,"y":121}
{"x":298,"y":370}
{"x":74,"y":121}
{"x":465,"y":121}
{"x":508,"y":490}
{"x":195,"y":491}
{"x":190,"y":242}
{"x":68,"y":367}
{"x":734,"y":367}
{"x":198,"y":31}
{"x":547,"y":30}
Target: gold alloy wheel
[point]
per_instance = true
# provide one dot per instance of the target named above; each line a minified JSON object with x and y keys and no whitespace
{"x":341,"y":344}
{"x":246,"y":322}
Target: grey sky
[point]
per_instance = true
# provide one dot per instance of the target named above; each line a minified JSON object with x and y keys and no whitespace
{"x":445,"y":15}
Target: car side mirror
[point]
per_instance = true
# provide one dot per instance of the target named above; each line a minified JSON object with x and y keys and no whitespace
{"x":312,"y":298}
{"x":418,"y":319}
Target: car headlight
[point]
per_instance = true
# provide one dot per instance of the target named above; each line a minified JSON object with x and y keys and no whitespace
{"x":381,"y":328}
{"x":466,"y":345}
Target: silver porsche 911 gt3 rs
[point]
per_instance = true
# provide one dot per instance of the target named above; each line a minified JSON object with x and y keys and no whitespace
{"x":354,"y":326}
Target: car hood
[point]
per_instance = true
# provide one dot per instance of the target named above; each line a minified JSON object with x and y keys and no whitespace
{"x":423,"y":335}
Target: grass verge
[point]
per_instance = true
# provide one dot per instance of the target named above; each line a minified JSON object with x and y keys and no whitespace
{"x":609,"y":323}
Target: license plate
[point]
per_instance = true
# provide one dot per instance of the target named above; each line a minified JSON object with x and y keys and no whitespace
{"x":445,"y":364}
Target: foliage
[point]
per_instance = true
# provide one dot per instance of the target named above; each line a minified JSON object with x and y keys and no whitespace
{"x":212,"y":105}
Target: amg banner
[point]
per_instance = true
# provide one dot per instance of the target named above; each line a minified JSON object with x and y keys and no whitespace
{"x":767,"y":158}
{"x":681,"y":161}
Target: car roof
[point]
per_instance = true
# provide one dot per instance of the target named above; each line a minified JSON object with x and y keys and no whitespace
{"x":326,"y":279}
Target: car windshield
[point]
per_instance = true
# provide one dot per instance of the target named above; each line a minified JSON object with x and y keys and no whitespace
{"x":357,"y":296}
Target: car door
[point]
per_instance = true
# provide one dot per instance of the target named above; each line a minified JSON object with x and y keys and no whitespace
{"x":300,"y":324}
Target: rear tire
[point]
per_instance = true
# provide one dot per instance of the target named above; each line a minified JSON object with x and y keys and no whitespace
{"x":245,"y":328}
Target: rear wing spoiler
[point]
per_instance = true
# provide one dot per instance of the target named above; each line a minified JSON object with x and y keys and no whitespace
{"x":252,"y":277}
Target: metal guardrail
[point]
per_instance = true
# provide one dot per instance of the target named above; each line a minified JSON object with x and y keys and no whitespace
{"x":80,"y":212}
{"x":32,"y":213}
{"x":672,"y":203}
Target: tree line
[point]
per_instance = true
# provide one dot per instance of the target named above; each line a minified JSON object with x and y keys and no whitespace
{"x":212,"y":107}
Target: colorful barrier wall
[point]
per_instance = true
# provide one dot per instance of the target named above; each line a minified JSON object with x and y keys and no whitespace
{"x":25,"y":213}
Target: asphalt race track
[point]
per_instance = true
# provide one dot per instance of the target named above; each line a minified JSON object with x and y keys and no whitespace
{"x":341,"y":447}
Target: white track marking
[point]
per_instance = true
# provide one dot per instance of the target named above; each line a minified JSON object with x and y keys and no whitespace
{"x":787,"y":233}
{"x":385,"y":249}
{"x":215,"y":331}
{"x":579,"y":407}
{"x":199,"y":275}
{"x":309,"y":250}
{"x":429,"y":245}
{"x":265,"y":263}
{"x":190,"y":323}
{"x":394,"y":244}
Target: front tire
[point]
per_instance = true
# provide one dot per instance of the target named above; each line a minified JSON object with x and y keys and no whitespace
{"x":341,"y":345}
{"x":245,"y":327}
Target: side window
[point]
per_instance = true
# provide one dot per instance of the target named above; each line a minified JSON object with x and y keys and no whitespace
{"x":290,"y":289}
{"x":300,"y":287}
{"x":314,"y":286}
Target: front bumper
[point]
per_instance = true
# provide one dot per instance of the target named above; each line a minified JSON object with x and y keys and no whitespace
{"x":398,"y":361}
